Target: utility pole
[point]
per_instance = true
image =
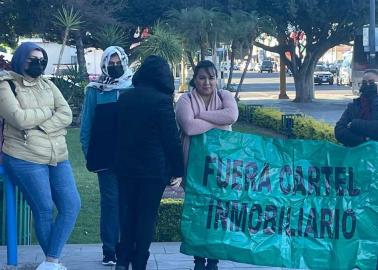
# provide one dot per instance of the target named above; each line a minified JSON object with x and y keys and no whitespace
{"x":372,"y":33}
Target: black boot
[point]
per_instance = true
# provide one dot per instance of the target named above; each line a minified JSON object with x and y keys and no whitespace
{"x":139,"y":262}
{"x":199,"y":263}
{"x":123,"y":259}
{"x":119,"y":267}
{"x":212,"y":264}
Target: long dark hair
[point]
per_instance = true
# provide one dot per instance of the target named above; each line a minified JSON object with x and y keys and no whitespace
{"x":204,"y":64}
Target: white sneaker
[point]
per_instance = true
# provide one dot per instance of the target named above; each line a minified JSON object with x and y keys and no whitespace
{"x":50,"y":266}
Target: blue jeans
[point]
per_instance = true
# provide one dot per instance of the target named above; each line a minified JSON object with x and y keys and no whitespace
{"x":109,"y":220}
{"x":43,"y":186}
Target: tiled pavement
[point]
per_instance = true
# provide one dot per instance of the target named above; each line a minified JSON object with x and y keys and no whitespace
{"x":164,"y":256}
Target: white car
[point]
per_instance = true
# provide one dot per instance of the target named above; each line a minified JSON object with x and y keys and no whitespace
{"x":322,"y":75}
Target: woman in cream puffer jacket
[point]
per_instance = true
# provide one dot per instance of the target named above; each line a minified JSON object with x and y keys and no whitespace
{"x":36,"y":116}
{"x":35,"y":119}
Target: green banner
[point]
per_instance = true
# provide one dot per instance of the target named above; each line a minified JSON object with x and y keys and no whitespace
{"x":284,"y":203}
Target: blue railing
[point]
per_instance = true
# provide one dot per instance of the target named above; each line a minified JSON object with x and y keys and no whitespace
{"x":11,"y":219}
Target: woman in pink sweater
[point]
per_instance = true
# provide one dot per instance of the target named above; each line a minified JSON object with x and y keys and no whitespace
{"x":200,"y":110}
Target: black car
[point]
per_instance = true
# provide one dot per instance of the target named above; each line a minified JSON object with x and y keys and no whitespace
{"x":266,"y":66}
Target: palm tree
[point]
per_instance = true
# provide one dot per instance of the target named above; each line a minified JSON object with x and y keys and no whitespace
{"x":111,"y":35}
{"x":70,"y":20}
{"x":163,"y":42}
{"x":194,"y":26}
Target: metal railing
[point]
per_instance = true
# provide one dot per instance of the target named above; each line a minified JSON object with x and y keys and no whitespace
{"x":11,"y":219}
{"x":246,"y":111}
{"x":17,"y":216}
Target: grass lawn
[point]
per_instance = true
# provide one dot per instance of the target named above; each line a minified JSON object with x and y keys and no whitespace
{"x":87,"y":225}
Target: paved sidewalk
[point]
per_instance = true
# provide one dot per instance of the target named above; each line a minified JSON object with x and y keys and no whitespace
{"x":327,"y":107}
{"x":164,"y":256}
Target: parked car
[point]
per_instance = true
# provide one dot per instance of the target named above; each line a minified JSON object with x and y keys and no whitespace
{"x":236,"y":66}
{"x":267,"y":66}
{"x":322,"y":75}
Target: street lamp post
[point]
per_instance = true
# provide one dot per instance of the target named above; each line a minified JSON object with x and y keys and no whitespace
{"x":372,"y":32}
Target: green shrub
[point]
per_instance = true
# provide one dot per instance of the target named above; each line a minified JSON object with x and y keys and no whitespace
{"x":309,"y":128}
{"x":267,"y":117}
{"x":168,"y":224}
{"x":304,"y":127}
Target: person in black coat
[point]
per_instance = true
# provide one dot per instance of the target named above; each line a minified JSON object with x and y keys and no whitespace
{"x":359,"y":122}
{"x":148,"y":156}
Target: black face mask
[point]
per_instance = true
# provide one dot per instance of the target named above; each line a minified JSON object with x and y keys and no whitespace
{"x":35,"y":69}
{"x":115,"y":71}
{"x":368,"y":90}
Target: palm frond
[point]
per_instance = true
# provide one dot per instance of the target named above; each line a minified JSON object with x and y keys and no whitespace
{"x":68,"y":18}
{"x":111,"y":35}
{"x":163,"y":42}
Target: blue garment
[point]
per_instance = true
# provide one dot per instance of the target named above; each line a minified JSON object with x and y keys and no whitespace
{"x":43,"y":185}
{"x":109,"y":219}
{"x":108,"y":182}
{"x":21,"y":55}
{"x":94,"y":96}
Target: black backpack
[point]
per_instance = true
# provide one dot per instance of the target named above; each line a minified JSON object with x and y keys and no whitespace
{"x":2,"y":122}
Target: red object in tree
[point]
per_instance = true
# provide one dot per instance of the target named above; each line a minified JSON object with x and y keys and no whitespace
{"x":301,"y":35}
{"x":145,"y":33}
{"x":288,"y":55}
{"x":293,"y":35}
{"x":297,"y":35}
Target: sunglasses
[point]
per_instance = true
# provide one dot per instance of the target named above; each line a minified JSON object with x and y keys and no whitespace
{"x":41,"y":61}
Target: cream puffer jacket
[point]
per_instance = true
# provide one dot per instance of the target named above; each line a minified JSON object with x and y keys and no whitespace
{"x":35,"y":119}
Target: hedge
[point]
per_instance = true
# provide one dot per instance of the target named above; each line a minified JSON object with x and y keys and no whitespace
{"x":304,"y":127}
{"x":309,"y":128}
{"x":168,"y":224}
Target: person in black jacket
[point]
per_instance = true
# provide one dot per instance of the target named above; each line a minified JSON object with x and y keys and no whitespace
{"x":359,"y":122}
{"x":149,"y":155}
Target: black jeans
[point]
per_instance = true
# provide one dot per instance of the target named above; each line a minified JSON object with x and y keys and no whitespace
{"x":139,"y":204}
{"x":198,"y":259}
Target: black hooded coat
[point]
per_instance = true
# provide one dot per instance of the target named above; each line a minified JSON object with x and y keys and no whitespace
{"x":148,"y":144}
{"x":359,"y":129}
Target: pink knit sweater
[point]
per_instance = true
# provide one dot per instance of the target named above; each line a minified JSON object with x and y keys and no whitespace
{"x":194,"y":118}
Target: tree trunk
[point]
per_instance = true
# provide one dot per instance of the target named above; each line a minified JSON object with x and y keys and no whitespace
{"x":66,"y":32}
{"x":81,"y":55}
{"x":190,"y":58}
{"x":203,"y":51}
{"x":231,"y":71}
{"x":282,"y":94}
{"x":304,"y":86}
{"x":245,"y":70}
